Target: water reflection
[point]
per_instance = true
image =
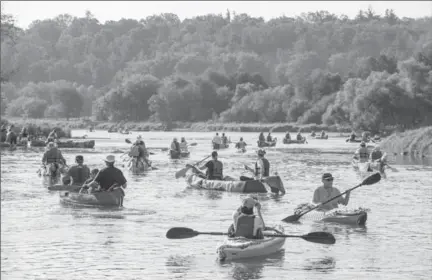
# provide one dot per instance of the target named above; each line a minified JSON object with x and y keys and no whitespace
{"x":325,"y":265}
{"x":179,"y":265}
{"x":339,"y":229}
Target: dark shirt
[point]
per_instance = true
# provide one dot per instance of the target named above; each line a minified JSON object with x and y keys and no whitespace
{"x":79,"y":174}
{"x":211,"y":173}
{"x":110,"y":176}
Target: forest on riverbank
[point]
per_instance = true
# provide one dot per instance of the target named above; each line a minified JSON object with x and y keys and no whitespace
{"x":369,"y":72}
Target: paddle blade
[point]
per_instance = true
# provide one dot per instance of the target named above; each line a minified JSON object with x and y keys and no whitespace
{"x":181,"y":233}
{"x":291,"y":219}
{"x":128,"y":141}
{"x":193,"y":144}
{"x":320,"y":237}
{"x":374,"y":178}
{"x":181,"y":173}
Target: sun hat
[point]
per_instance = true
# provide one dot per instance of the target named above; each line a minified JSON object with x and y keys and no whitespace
{"x":110,"y":158}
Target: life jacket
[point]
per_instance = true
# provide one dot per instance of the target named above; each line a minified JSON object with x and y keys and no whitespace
{"x":299,"y":137}
{"x":53,"y":156}
{"x":363,"y":152}
{"x":269,"y":138}
{"x":288,"y":136}
{"x":261,"y":138}
{"x":376,"y":155}
{"x":217,"y":169}
{"x":224,"y":139}
{"x":352,"y":137}
{"x":266,"y":167}
{"x":241,"y":145}
{"x":183,"y":146}
{"x":245,"y":226}
{"x":175,"y":146}
{"x":135,"y":151}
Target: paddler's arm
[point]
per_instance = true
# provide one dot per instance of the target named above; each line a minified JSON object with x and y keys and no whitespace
{"x":344,"y":201}
{"x":258,"y":207}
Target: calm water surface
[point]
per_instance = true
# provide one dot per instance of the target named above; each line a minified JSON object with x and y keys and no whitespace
{"x":42,"y":239}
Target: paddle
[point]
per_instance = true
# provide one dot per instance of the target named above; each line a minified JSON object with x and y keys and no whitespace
{"x":374,"y":178}
{"x":392,"y":168}
{"x":182,"y":172}
{"x":315,"y":237}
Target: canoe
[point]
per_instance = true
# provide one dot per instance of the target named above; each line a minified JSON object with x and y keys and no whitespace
{"x":107,"y":199}
{"x":354,"y":218}
{"x":61,"y":187}
{"x":241,"y":151}
{"x":135,"y":167}
{"x":348,"y":140}
{"x":272,"y":184}
{"x":221,"y":146}
{"x":323,"y":138}
{"x":234,"y":248}
{"x":369,"y":166}
{"x":88,"y":144}
{"x":176,"y":155}
{"x":287,"y":141}
{"x":267,"y":144}
{"x":7,"y":145}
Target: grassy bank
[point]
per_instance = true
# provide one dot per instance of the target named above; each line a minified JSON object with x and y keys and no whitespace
{"x":184,"y":126}
{"x":418,"y":141}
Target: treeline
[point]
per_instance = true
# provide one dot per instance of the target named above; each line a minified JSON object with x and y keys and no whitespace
{"x":368,"y":72}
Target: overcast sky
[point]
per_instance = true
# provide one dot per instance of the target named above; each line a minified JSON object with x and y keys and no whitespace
{"x":28,"y":11}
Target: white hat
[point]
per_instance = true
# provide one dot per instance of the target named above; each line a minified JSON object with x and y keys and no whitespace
{"x":110,"y":158}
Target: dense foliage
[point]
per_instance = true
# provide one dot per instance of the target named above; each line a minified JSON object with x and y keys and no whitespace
{"x":367,"y":72}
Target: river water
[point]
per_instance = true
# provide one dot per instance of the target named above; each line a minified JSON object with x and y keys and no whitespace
{"x":42,"y":239}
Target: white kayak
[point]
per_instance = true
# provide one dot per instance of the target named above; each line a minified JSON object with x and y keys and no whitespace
{"x":234,"y":248}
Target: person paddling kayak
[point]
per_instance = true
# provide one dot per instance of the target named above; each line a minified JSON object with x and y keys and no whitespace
{"x":326,"y":192}
{"x":262,"y":167}
{"x":175,"y":146}
{"x":110,"y":177}
{"x":287,"y":136}
{"x":362,"y":153}
{"x":217,"y":141}
{"x":183,"y":145}
{"x":269,"y":137}
{"x":214,"y":168}
{"x":79,"y":173}
{"x":245,"y":223}
{"x":241,"y":145}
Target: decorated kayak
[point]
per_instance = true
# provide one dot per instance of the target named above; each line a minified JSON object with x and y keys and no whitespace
{"x":241,"y":248}
{"x":272,"y":184}
{"x":107,"y":199}
{"x":321,"y":137}
{"x":267,"y":144}
{"x":89,"y":144}
{"x":288,"y":141}
{"x":175,"y":155}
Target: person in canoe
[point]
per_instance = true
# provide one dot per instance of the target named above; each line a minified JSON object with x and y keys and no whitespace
{"x":144,"y":155}
{"x":241,"y":145}
{"x":217,"y":141}
{"x":262,"y":167}
{"x":362,"y":153}
{"x":24,"y":136}
{"x":365,"y":137}
{"x":269,"y":137}
{"x":323,"y":134}
{"x":3,"y":133}
{"x":299,"y":136}
{"x":214,"y":168}
{"x":326,"y":192}
{"x":53,"y":156}
{"x":53,"y":135}
{"x":287,"y":136}
{"x":11,"y":136}
{"x":261,"y":138}
{"x":78,"y":173}
{"x":224,"y":139}
{"x":377,"y":156}
{"x":313,"y":134}
{"x":245,"y":222}
{"x":108,"y":178}
{"x":175,"y":147}
{"x":352,"y":136}
{"x":183,"y":145}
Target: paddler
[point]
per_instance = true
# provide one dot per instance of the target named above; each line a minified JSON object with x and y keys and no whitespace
{"x":79,"y":173}
{"x":224,"y":139}
{"x":241,"y":145}
{"x":299,"y":136}
{"x":269,"y":137}
{"x":53,"y":135}
{"x":262,"y":167}
{"x":326,"y":192}
{"x":362,"y":153}
{"x":53,"y":155}
{"x":23,"y":136}
{"x":3,"y":133}
{"x":378,"y":157}
{"x":175,"y":146}
{"x":217,"y":141}
{"x":261,"y":138}
{"x":287,"y":136}
{"x":183,"y":145}
{"x":144,"y":154}
{"x":110,"y":177}
{"x":214,"y":168}
{"x":323,"y":134}
{"x":352,"y":136}
{"x":11,"y":136}
{"x":245,"y":223}
{"x":313,"y":134}
{"x":365,"y":136}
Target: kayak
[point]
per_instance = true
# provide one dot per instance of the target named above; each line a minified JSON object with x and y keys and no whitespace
{"x":234,"y":248}
{"x":112,"y":198}
{"x":267,"y":144}
{"x":221,"y":146}
{"x":137,"y":167}
{"x":371,"y":167}
{"x":241,"y":151}
{"x":175,"y":155}
{"x":272,"y":184}
{"x":320,"y":137}
{"x":287,"y":141}
{"x":354,"y":218}
{"x":61,"y":187}
{"x":7,"y":145}
{"x":89,"y":144}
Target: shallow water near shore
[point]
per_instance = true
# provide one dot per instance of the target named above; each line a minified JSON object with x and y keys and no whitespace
{"x":42,"y":239}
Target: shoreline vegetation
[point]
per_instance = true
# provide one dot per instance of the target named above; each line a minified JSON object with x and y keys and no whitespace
{"x":410,"y":142}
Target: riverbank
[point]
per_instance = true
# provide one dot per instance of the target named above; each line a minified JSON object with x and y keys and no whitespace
{"x":410,"y":142}
{"x":176,"y":126}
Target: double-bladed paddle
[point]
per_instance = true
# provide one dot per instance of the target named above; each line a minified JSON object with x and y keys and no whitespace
{"x":182,"y":172}
{"x":316,"y":237}
{"x":374,"y":178}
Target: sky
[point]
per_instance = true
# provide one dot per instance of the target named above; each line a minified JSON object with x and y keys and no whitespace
{"x":27,"y":11}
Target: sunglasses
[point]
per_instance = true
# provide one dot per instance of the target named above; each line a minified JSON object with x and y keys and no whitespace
{"x":329,"y":179}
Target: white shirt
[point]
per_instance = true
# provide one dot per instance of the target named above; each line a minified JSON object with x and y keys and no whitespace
{"x":217,"y":140}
